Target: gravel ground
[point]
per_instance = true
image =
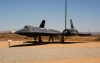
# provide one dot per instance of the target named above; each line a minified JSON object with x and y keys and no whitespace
{"x":21,"y":54}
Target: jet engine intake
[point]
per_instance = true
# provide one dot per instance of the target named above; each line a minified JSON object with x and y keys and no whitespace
{"x":66,"y":32}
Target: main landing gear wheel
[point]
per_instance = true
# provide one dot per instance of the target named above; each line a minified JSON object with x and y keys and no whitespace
{"x":35,"y":39}
{"x":39,"y":39}
{"x":62,"y":40}
{"x":51,"y":38}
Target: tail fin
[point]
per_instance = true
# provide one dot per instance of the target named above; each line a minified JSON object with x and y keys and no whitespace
{"x":42,"y":25}
{"x":71,"y":23}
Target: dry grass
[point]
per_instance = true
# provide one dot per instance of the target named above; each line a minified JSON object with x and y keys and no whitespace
{"x":98,"y":38}
{"x":5,"y":37}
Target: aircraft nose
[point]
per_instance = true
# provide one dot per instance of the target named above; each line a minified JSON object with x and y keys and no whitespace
{"x":19,"y":31}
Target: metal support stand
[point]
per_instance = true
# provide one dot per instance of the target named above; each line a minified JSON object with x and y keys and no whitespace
{"x":9,"y":43}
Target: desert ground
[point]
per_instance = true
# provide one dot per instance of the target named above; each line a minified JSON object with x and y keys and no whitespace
{"x":23,"y":50}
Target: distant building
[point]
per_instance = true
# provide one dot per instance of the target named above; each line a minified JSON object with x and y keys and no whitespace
{"x":13,"y":31}
{"x":5,"y":32}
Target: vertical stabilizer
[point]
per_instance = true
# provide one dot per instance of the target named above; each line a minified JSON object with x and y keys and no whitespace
{"x":42,"y":25}
{"x":71,"y":23}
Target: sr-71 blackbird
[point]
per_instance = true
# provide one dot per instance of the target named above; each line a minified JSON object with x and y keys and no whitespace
{"x":32,"y":31}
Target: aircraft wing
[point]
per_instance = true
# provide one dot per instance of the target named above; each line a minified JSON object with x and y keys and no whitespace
{"x":84,"y":34}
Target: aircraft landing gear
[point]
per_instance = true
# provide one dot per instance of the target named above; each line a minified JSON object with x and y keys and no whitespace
{"x":51,"y":37}
{"x":35,"y":38}
{"x":62,"y":39}
{"x":39,"y":39}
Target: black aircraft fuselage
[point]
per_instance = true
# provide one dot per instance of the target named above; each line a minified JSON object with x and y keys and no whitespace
{"x":32,"y":31}
{"x":35,"y":32}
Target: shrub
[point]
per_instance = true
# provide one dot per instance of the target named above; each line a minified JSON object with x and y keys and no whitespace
{"x":98,"y":38}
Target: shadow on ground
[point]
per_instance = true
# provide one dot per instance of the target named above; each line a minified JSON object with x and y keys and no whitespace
{"x":32,"y":43}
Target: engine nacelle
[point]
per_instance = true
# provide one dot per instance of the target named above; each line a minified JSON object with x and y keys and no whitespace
{"x":70,"y":32}
{"x":66,"y":32}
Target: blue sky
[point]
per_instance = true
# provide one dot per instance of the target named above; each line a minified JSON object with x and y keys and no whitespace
{"x":15,"y":14}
